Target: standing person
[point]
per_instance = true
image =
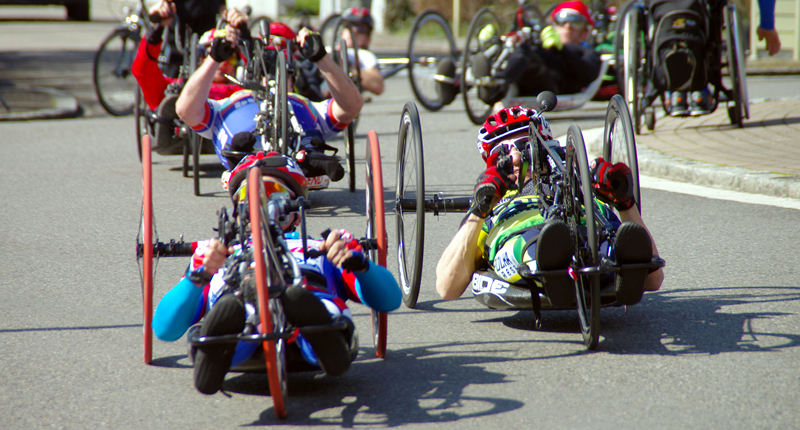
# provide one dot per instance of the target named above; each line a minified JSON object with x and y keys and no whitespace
{"x":232,"y":121}
{"x":505,"y":226}
{"x":204,"y":296}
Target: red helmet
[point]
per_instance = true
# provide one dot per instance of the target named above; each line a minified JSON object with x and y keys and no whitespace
{"x":359,"y":16}
{"x":281,"y":32}
{"x":574,"y":5}
{"x":506,"y":122}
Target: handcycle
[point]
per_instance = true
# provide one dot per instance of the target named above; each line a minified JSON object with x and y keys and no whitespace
{"x":180,"y":51}
{"x":276,"y":267}
{"x":111,"y":68}
{"x":430,"y":40}
{"x":725,"y":50}
{"x":571,"y":201}
{"x":525,"y":27}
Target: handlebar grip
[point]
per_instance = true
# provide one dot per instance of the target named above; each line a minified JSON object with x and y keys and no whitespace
{"x":155,"y":18}
{"x":247,"y":10}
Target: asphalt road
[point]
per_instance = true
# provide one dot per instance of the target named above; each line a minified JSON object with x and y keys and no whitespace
{"x":715,"y":348}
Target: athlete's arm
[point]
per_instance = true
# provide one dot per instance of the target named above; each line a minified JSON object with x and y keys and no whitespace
{"x":458,"y":261}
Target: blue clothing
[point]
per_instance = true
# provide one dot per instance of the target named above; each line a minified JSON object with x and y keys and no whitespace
{"x":767,"y":12}
{"x":225,"y":118}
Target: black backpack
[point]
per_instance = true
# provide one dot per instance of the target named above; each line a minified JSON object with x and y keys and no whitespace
{"x":680,"y":59}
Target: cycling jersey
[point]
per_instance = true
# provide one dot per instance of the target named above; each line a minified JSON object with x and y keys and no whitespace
{"x":225,"y":118}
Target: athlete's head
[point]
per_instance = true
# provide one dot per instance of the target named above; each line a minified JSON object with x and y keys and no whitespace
{"x":280,"y":34}
{"x":507,"y":131}
{"x":361,"y":23}
{"x":282,"y":177}
{"x":572,"y":20}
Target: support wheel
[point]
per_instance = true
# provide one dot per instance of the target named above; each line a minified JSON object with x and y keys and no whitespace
{"x":273,"y":349}
{"x":114,"y":84}
{"x":349,"y":132}
{"x":376,"y":229}
{"x":619,"y":143}
{"x":580,"y":204}
{"x":471,"y":86}
{"x":144,"y":247}
{"x":632,"y":64}
{"x":410,"y":194}
{"x":431,"y":41}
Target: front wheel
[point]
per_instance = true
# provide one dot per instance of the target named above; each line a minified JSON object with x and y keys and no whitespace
{"x":632,"y":64}
{"x":144,"y":241}
{"x":114,"y":84}
{"x":376,"y":229}
{"x":475,"y":81}
{"x":736,"y":70}
{"x":580,"y":206}
{"x":410,"y":195}
{"x":619,"y":143}
{"x":431,"y":41}
{"x":273,"y":349}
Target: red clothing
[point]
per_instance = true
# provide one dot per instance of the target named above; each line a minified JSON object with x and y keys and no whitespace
{"x":153,"y":83}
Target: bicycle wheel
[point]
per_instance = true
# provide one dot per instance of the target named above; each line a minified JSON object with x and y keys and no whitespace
{"x":114,"y":84}
{"x":145,"y":241}
{"x":431,"y":41}
{"x":376,"y":229}
{"x":580,"y":205}
{"x":471,"y":85}
{"x":140,"y":112}
{"x":273,"y":349}
{"x":633,"y":65}
{"x":410,"y":194}
{"x":619,"y":59}
{"x":349,"y":132}
{"x":196,"y":142}
{"x":736,"y":70}
{"x":281,"y":129}
{"x":328,"y":29}
{"x":619,"y":143}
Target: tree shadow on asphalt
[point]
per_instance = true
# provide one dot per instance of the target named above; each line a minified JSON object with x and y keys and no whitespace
{"x":683,"y":321}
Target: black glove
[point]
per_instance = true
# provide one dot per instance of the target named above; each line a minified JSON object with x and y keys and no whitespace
{"x":221,"y":48}
{"x":156,"y":34}
{"x":492,"y":184}
{"x":313,"y":48}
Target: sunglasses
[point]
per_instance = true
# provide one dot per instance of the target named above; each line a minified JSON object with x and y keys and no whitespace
{"x":576,"y":20}
{"x":520,"y":143}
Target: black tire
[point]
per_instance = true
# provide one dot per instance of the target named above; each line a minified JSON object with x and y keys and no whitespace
{"x":619,"y":59}
{"x":477,"y":110}
{"x":197,"y":143}
{"x":619,"y":142}
{"x":78,"y":11}
{"x":736,"y":69}
{"x":410,"y":191}
{"x":430,"y":42}
{"x":376,"y":229}
{"x":282,"y":106}
{"x":580,"y":205}
{"x":633,"y":69}
{"x":140,"y":111}
{"x":349,"y":132}
{"x":270,"y":312}
{"x":114,"y":84}
{"x":328,"y":29}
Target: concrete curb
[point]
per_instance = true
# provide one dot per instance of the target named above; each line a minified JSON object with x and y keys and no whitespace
{"x":654,"y":163}
{"x":63,"y":105}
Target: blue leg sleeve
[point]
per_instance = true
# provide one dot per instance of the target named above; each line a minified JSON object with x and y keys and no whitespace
{"x":176,"y":311}
{"x":377,"y":288}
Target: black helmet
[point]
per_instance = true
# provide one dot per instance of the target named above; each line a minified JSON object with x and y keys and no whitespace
{"x":359,"y":16}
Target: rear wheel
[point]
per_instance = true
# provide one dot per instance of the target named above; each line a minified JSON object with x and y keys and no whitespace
{"x":410,"y":194}
{"x":144,"y":241}
{"x":580,"y":205}
{"x":376,"y":229}
{"x":619,"y":143}
{"x":632,"y":64}
{"x":328,"y":29}
{"x":349,"y":132}
{"x":273,"y":349}
{"x":431,"y":41}
{"x":736,"y":69}
{"x":477,"y":109}
{"x":197,"y":143}
{"x":114,"y":84}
